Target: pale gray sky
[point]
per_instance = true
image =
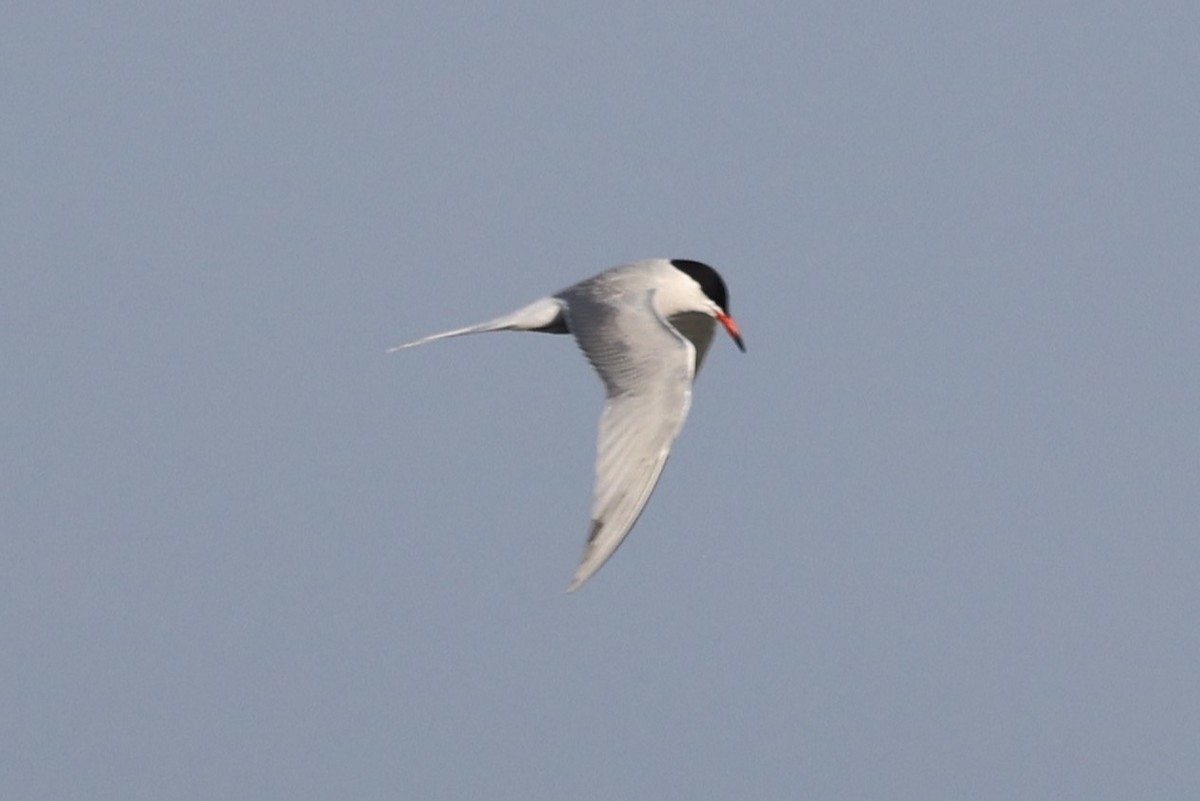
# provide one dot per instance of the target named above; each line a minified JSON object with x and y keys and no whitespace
{"x":935,"y":536}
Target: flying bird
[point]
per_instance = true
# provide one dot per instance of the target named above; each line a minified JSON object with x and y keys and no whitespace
{"x":645,"y":327}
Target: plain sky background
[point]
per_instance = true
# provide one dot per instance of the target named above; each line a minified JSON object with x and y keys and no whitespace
{"x":935,"y":536}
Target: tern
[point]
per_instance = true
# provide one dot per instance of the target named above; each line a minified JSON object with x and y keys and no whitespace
{"x":645,"y":327}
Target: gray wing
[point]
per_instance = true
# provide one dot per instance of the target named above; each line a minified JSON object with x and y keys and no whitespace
{"x":647,"y":367}
{"x":544,"y":314}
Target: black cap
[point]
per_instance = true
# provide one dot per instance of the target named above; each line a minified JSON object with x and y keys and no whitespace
{"x":708,"y":279}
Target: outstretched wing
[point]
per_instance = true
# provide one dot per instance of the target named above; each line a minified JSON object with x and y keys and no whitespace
{"x":544,"y":314}
{"x":647,"y":367}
